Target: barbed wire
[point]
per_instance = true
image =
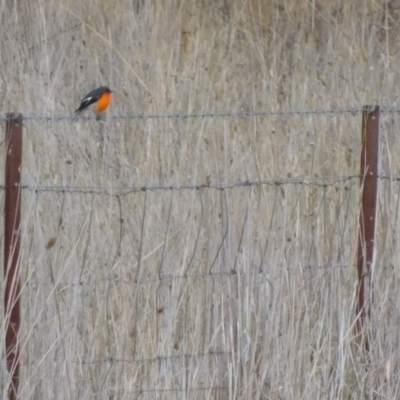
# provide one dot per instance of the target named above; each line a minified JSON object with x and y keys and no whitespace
{"x":208,"y":114}
{"x":120,"y":191}
{"x":115,"y":191}
{"x":205,"y":114}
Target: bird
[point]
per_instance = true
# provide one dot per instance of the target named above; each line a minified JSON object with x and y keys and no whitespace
{"x":100,"y":98}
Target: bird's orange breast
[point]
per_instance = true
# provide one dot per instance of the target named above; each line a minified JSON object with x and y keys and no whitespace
{"x":103,"y":102}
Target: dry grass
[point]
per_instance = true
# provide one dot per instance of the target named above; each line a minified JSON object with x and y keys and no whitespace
{"x":251,"y":317}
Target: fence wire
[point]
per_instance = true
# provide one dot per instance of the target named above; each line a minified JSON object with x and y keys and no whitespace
{"x":206,"y":114}
{"x":118,"y":191}
{"x":124,"y":190}
{"x":209,"y":114}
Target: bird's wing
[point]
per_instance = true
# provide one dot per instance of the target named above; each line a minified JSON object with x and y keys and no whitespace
{"x":89,"y":100}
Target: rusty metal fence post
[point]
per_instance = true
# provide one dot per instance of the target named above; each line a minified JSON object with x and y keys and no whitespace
{"x":367,"y":222}
{"x":12,"y":218}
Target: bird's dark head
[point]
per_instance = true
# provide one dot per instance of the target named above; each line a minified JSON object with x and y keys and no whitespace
{"x":105,"y":89}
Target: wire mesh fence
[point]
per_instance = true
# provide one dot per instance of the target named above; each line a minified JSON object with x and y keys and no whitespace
{"x":232,"y":276}
{"x":146,"y":282}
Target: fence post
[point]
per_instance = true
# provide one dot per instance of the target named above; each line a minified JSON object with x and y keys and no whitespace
{"x":12,"y":218}
{"x":366,"y":229}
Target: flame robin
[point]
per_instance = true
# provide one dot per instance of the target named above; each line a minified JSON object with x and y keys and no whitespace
{"x":100,"y":98}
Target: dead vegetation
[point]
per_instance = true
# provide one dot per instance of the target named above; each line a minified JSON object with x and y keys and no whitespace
{"x":243,"y":293}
